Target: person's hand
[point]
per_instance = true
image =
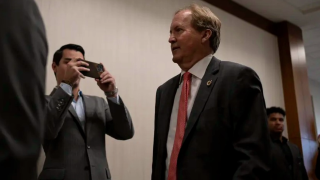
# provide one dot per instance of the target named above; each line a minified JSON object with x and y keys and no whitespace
{"x":106,"y":82}
{"x":72,"y":73}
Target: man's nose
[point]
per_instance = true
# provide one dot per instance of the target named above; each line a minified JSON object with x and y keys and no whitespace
{"x":172,"y":39}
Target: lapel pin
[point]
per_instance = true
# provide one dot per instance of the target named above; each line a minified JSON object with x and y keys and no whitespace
{"x":209,"y":83}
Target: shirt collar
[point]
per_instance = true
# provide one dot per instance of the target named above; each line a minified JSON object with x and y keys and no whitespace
{"x":80,"y":96}
{"x":199,"y":69}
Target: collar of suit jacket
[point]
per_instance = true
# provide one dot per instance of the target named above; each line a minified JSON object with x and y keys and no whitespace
{"x":284,"y":139}
{"x":199,"y":68}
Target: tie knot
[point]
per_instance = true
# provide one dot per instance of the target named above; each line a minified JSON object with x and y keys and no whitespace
{"x":187,"y":76}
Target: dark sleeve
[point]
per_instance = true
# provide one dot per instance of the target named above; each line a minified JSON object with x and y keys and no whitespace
{"x":155,"y":136}
{"x":57,"y":106}
{"x":23,"y":57}
{"x":251,"y":137}
{"x":118,"y":120}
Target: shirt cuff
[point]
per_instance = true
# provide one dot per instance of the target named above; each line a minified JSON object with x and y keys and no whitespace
{"x":114,"y":99}
{"x":67,"y":88}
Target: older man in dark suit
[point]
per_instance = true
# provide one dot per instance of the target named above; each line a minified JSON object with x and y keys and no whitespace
{"x":77,"y":123}
{"x":23,"y":59}
{"x":210,"y":120}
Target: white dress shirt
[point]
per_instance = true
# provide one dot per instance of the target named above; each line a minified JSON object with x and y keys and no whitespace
{"x":78,"y":104}
{"x":197,"y":71}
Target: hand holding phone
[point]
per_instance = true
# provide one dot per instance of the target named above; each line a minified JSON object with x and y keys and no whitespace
{"x":107,"y":83}
{"x":75,"y":70}
{"x":95,"y":69}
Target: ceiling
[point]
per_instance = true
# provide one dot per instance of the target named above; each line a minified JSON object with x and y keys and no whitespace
{"x":303,"y":13}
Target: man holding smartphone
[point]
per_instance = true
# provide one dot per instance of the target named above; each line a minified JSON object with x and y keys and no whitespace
{"x":76,"y":124}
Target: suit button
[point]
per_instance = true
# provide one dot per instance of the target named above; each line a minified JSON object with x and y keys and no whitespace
{"x":61,"y":101}
{"x":58,"y":108}
{"x":88,"y":147}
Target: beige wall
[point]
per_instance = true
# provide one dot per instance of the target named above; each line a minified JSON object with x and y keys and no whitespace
{"x":131,"y":38}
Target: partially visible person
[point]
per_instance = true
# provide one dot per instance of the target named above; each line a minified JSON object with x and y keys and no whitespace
{"x":210,"y":119}
{"x":76,"y":123}
{"x":287,"y":161}
{"x":23,"y":57}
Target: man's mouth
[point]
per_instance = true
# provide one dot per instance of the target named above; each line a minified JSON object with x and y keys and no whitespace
{"x":174,"y":48}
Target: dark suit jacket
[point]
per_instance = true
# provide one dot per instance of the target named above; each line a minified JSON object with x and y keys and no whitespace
{"x":73,"y":153}
{"x":23,"y":58}
{"x":226,"y":136}
{"x":280,"y":167}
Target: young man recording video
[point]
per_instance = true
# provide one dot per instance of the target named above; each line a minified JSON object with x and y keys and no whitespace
{"x":76,"y":124}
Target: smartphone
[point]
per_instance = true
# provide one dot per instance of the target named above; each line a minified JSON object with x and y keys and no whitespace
{"x":95,"y":69}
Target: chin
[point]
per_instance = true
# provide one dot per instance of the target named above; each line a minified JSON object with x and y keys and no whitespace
{"x":279,"y":131}
{"x":76,"y":84}
{"x":176,"y":59}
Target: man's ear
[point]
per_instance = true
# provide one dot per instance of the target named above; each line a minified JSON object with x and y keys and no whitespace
{"x":54,"y":67}
{"x":206,"y":35}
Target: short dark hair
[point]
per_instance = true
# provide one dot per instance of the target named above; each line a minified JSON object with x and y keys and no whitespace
{"x":58,"y":54}
{"x":273,"y":109}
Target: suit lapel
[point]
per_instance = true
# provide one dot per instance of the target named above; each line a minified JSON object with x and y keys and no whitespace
{"x":76,"y":118}
{"x":207,"y":83}
{"x":166,"y":100}
{"x":88,"y":110}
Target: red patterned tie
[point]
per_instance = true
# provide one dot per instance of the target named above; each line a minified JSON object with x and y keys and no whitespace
{"x":181,"y":124}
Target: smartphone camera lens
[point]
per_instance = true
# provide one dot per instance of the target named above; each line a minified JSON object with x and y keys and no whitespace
{"x":100,"y":68}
